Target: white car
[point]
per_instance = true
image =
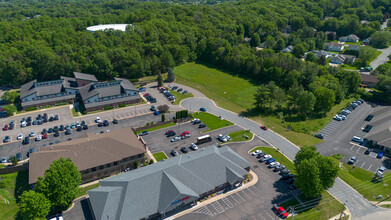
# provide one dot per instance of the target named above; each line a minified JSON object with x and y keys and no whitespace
{"x":38,"y":138}
{"x":273,"y":164}
{"x":227,"y":137}
{"x":32,"y":134}
{"x":255,"y":153}
{"x":193,"y":120}
{"x":23,"y":124}
{"x":98,"y":120}
{"x":175,"y":139}
{"x":342,"y":116}
{"x":336,"y":117}
{"x":267,"y":156}
{"x":222,"y":138}
{"x":20,"y":136}
{"x":193,"y":146}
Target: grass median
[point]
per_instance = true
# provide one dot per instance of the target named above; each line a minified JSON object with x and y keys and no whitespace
{"x":242,"y":135}
{"x":157,"y":127}
{"x":159,"y":156}
{"x":212,"y":122}
{"x":83,"y":190}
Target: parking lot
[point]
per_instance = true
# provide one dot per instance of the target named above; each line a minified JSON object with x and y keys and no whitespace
{"x":157,"y":141}
{"x":11,"y":149}
{"x":338,"y":136}
{"x":252,"y":203}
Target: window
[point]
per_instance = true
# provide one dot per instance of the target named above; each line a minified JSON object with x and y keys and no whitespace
{"x":93,"y":169}
{"x":141,"y":155}
{"x":33,"y":99}
{"x":69,"y":93}
{"x":115,"y":163}
{"x":108,"y":165}
{"x":101,"y":167}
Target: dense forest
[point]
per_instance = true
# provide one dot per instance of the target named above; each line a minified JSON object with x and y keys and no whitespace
{"x":46,"y":39}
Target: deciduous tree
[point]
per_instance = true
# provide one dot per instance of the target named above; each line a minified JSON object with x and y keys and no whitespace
{"x":33,"y":205}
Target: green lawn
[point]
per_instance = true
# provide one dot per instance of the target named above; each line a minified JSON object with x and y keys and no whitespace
{"x":228,"y":91}
{"x":149,"y":78}
{"x":159,"y":156}
{"x":74,"y":113}
{"x":348,"y":43}
{"x":240,"y":136}
{"x":17,"y":183}
{"x":327,"y":207}
{"x":179,"y":96}
{"x":157,"y":127}
{"x":360,"y":180}
{"x":83,"y":190}
{"x":278,"y":156}
{"x":213,"y":122}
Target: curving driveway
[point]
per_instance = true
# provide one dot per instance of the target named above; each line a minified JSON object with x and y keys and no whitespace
{"x":358,"y":205}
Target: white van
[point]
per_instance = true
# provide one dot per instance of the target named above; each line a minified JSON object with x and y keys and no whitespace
{"x":357,"y":139}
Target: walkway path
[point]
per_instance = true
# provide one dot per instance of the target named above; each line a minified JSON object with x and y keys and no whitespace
{"x":357,"y":204}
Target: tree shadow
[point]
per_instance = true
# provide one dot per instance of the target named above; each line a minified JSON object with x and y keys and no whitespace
{"x":282,"y":188}
{"x":387,"y":163}
{"x":21,"y":184}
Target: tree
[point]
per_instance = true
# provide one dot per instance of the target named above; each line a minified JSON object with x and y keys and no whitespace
{"x":311,"y":57}
{"x":381,"y":39}
{"x":305,"y":153}
{"x":299,"y":50}
{"x":325,"y":99}
{"x":367,"y":54}
{"x":270,"y":42}
{"x":163,"y":118}
{"x":151,"y":161}
{"x":14,"y":161}
{"x":34,"y":205}
{"x":10,"y":96}
{"x":322,"y":60}
{"x":170,"y":75}
{"x":328,"y":171}
{"x":160,"y":80}
{"x":60,"y":183}
{"x":280,"y":44}
{"x":306,"y":102}
{"x":10,"y":109}
{"x":262,"y":96}
{"x":135,"y":164}
{"x":307,"y":178}
{"x":255,"y":40}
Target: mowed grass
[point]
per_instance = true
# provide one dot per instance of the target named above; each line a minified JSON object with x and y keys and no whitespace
{"x":242,"y":135}
{"x":83,"y":190}
{"x":212,"y":122}
{"x":17,"y":183}
{"x":278,"y":156}
{"x":157,"y":127}
{"x":361,"y":180}
{"x":228,"y":91}
{"x":179,"y":96}
{"x":159,"y":156}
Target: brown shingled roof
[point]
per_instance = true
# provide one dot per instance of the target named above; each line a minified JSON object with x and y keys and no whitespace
{"x":88,"y":151}
{"x":369,"y":78}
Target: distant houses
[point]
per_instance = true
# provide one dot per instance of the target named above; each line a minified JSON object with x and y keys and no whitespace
{"x":350,"y":38}
{"x":369,"y":81}
{"x":287,"y":49}
{"x":333,"y":47}
{"x":342,"y":58}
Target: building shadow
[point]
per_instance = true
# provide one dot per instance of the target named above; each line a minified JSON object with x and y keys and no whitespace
{"x":85,"y":207}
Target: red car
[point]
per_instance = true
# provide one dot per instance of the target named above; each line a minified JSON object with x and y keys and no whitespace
{"x":186,"y":132}
{"x":169,"y":131}
{"x":280,"y":211}
{"x":146,"y":94}
{"x":5,"y":127}
{"x":44,"y":136}
{"x":264,"y":128}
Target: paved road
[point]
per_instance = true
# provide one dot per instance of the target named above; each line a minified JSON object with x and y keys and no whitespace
{"x":356,"y":203}
{"x":383,"y":58}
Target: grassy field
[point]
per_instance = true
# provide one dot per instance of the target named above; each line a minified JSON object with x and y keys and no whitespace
{"x":228,"y":91}
{"x":239,"y":136}
{"x":278,"y":156}
{"x":179,"y":96}
{"x":83,"y":190}
{"x":160,"y":156}
{"x":213,"y":122}
{"x":157,"y":127}
{"x":16,"y":184}
{"x":149,"y":78}
{"x":361,"y":180}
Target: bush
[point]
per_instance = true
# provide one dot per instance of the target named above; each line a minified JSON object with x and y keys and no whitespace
{"x":151,"y":161}
{"x":31,"y":109}
{"x":62,"y":103}
{"x":121,"y":105}
{"x":70,"y":101}
{"x":133,"y":80}
{"x":108,"y":107}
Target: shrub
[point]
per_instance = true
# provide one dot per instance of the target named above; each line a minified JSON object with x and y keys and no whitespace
{"x":70,"y":101}
{"x":151,"y":161}
{"x":121,"y":105}
{"x":62,"y":103}
{"x":108,"y":107}
{"x":31,"y":109}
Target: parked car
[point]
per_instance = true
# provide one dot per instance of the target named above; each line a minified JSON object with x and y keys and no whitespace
{"x":352,"y":160}
{"x":100,"y":124}
{"x":5,"y":128}
{"x":106,"y":123}
{"x":20,"y":136}
{"x":261,"y":155}
{"x":50,"y":130}
{"x":56,"y":117}
{"x":184,"y":150}
{"x":368,"y":151}
{"x":143,"y":133}
{"x":6,"y":139}
{"x":35,"y":122}
{"x":153,"y":108}
{"x":357,"y":139}
{"x":51,"y":119}
{"x":174,"y":88}
{"x":255,"y":153}
{"x":174,"y":152}
{"x":32,"y":134}
{"x":156,"y":113}
{"x":73,"y":125}
{"x":85,"y":127}
{"x":381,"y":169}
{"x":115,"y":121}
{"x":280,"y":211}
{"x":98,"y":120}
{"x":288,"y":176}
{"x":336,"y":117}
{"x":169,"y":131}
{"x":222,"y":138}
{"x":273,"y":164}
{"x":146,"y":94}
{"x":196,"y":121}
{"x":285,"y":171}
{"x":18,"y":156}
{"x":203,"y":109}
{"x":68,"y":132}
{"x":61,"y":128}
{"x":38,"y":138}
{"x":142,"y":89}
{"x":26,"y":140}
{"x":184,"y":92}
{"x":4,"y":160}
{"x":380,"y":155}
{"x":264,"y":127}
{"x":193,"y":146}
{"x":56,"y":134}
{"x":23,"y":124}
{"x":44,"y":136}
{"x":279,"y":168}
{"x":265,"y":158}
{"x":179,"y":90}
{"x":320,"y":136}
{"x":368,"y":118}
{"x":271,"y":160}
{"x":44,"y":131}
{"x":202,"y":126}
{"x":175,"y":139}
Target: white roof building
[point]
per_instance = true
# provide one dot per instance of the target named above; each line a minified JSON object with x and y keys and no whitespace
{"x":102,"y":27}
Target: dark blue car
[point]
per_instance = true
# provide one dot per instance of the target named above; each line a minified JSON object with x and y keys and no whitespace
{"x":380,"y":155}
{"x":203,"y":109}
{"x":271,"y":160}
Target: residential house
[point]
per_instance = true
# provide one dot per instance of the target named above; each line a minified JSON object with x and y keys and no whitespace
{"x":246,"y":40}
{"x":354,"y":47}
{"x":96,"y":96}
{"x":287,"y":29}
{"x":334,"y":47}
{"x":369,"y":81}
{"x":366,"y":41}
{"x":287,"y":49}
{"x":342,"y":58}
{"x":350,"y":38}
{"x":95,"y":155}
{"x":320,"y":53}
{"x":158,"y":190}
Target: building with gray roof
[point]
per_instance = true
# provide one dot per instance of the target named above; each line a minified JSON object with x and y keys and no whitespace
{"x":156,"y":190}
{"x":380,"y":134}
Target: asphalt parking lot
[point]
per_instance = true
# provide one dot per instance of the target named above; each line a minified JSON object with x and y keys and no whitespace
{"x":11,"y":149}
{"x":338,"y":135}
{"x":252,"y":203}
{"x":157,"y":141}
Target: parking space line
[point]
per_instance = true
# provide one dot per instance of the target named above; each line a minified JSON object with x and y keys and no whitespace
{"x":358,"y":149}
{"x":227,"y":202}
{"x":268,"y":214}
{"x":234,"y":199}
{"x":372,"y":154}
{"x":240,"y":195}
{"x":370,"y":167}
{"x":352,"y":147}
{"x":257,"y":189}
{"x":124,"y":116}
{"x":119,"y":116}
{"x":362,"y":165}
{"x":251,"y":191}
{"x":216,"y":205}
{"x":245,"y":194}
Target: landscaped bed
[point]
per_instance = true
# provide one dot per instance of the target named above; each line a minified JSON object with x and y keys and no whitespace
{"x":213,"y":122}
{"x":157,"y":127}
{"x":159,"y":156}
{"x":242,"y":135}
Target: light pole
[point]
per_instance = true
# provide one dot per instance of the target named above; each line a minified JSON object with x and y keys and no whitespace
{"x":343,"y":207}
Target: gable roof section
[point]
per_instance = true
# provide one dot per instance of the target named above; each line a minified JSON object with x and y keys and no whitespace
{"x":126,"y":84}
{"x":28,"y":89}
{"x":157,"y":186}
{"x":49,"y":90}
{"x":88,"y":151}
{"x":85,"y":76}
{"x":369,"y":78}
{"x":381,"y":122}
